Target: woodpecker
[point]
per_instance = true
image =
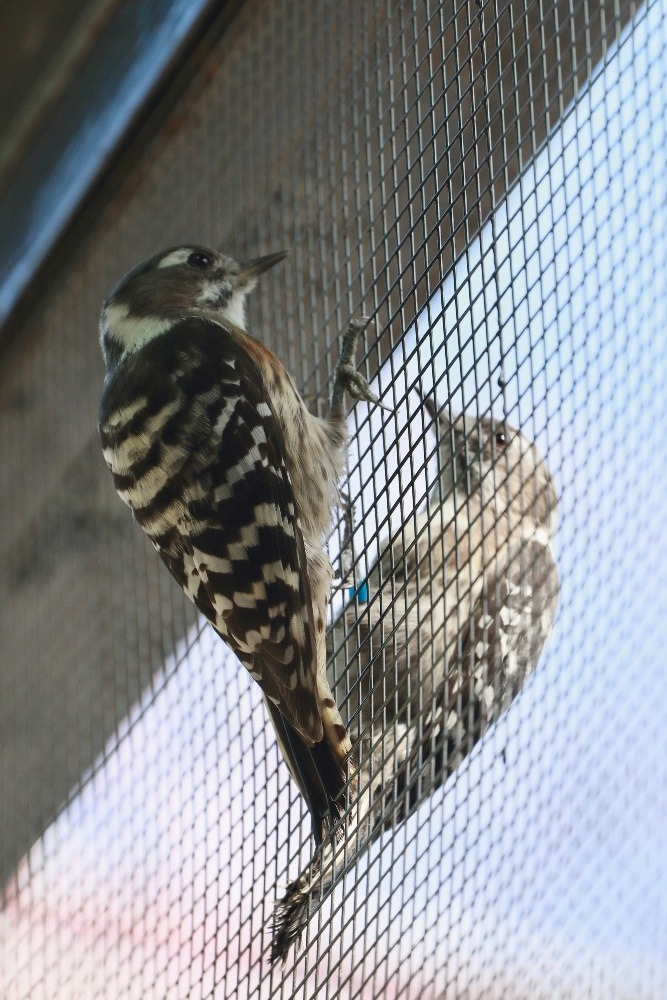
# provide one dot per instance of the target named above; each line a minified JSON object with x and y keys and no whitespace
{"x":466,"y":597}
{"x":233,"y":481}
{"x":461,"y":603}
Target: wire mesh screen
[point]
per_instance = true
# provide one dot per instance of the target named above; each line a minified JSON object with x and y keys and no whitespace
{"x":487,"y":185}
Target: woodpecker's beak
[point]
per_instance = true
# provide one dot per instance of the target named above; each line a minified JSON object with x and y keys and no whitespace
{"x":437,"y":415}
{"x":251,"y":269}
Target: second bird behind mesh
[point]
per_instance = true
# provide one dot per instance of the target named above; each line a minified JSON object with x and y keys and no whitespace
{"x":460,"y":604}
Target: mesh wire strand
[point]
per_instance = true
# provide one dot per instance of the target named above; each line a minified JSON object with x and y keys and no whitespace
{"x":488,"y":184}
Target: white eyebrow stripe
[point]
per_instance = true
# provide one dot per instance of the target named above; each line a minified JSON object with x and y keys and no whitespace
{"x":175,"y":257}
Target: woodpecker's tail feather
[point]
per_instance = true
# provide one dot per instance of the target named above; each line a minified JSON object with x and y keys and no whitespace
{"x":335,"y":855}
{"x":375,"y":802}
{"x":321,"y":777}
{"x":305,"y":894}
{"x":293,"y":910}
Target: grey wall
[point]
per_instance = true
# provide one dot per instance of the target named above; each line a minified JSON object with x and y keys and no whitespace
{"x":354,"y":136}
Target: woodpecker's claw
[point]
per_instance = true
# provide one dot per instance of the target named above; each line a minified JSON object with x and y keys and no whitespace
{"x":347,"y":378}
{"x":355,"y":383}
{"x":346,"y":556}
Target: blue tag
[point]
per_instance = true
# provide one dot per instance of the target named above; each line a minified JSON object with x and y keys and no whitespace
{"x":361,"y":593}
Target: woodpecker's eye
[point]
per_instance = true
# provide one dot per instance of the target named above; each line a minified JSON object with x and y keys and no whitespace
{"x":501,"y":439}
{"x":200,"y":260}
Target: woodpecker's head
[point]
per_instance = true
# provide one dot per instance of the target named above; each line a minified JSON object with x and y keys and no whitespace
{"x":175,"y":284}
{"x":489,"y":458}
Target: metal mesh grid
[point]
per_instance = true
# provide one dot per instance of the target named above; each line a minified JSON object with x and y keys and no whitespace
{"x":508,"y":209}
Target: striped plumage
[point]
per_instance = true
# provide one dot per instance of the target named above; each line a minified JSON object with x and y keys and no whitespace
{"x":462,"y":603}
{"x":233,"y":481}
{"x":460,"y":606}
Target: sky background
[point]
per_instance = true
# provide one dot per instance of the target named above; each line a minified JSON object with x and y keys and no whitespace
{"x":541,"y":869}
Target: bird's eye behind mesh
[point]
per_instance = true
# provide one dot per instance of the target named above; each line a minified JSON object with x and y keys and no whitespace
{"x":200,"y":260}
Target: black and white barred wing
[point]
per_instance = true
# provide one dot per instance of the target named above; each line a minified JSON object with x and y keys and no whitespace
{"x":499,"y":648}
{"x":234,"y":544}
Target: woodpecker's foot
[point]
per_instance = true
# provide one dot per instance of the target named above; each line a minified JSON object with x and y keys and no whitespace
{"x":346,"y":557}
{"x":347,"y":378}
{"x":428,"y":401}
{"x":345,"y":503}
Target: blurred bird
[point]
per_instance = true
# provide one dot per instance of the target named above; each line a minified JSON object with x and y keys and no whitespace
{"x":461,"y":603}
